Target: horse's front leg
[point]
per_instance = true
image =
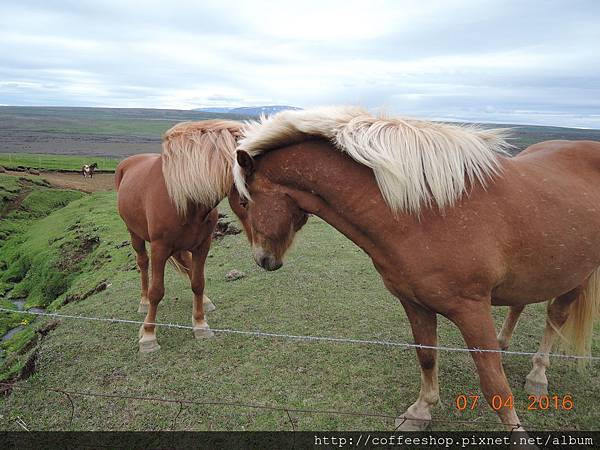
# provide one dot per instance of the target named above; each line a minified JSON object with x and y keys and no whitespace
{"x":158,"y":258}
{"x":201,"y":329}
{"x":424,"y":328}
{"x":474,"y":319}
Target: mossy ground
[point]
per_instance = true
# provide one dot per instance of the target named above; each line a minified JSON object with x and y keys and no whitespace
{"x":327,"y":287}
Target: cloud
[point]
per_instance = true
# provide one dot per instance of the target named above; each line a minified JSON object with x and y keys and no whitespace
{"x":475,"y":60}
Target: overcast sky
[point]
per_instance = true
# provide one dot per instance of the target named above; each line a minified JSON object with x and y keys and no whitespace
{"x":505,"y":61}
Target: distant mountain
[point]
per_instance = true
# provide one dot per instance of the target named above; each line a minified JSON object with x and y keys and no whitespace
{"x":249,"y":110}
{"x":213,"y":110}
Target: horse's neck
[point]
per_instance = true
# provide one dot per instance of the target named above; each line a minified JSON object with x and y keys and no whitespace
{"x":342,"y":192}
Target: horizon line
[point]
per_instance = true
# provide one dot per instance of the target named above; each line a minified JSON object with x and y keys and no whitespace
{"x":196,"y":109}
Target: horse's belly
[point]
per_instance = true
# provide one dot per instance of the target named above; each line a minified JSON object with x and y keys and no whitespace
{"x":549,"y":279}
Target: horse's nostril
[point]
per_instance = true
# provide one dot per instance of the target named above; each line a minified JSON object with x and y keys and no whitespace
{"x":274,"y":265}
{"x":271,"y":264}
{"x":268,"y":262}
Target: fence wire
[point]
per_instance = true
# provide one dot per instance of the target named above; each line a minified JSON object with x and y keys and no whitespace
{"x":287,"y":410}
{"x":306,"y":338}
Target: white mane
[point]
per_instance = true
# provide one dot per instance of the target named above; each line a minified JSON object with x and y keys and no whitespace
{"x":415,"y":162}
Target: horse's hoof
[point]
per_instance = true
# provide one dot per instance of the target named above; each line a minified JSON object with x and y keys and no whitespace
{"x":202,"y":333}
{"x":535,"y":387}
{"x":208,"y":306}
{"x":404,"y":423}
{"x":143,"y":308}
{"x":149,"y":346}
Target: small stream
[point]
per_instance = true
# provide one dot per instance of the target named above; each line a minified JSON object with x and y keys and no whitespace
{"x":19,"y":306}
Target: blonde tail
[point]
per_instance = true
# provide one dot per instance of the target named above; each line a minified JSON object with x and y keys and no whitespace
{"x":182,"y":262}
{"x":578,"y":330}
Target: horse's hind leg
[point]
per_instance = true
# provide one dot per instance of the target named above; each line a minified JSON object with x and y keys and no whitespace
{"x":424,"y":327}
{"x":139,"y":245}
{"x":158,"y":257}
{"x":184,"y":258}
{"x":536,"y":382}
{"x":509,"y":326}
{"x":201,"y":329}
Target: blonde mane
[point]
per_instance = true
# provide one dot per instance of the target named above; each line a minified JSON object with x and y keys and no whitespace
{"x":415,"y":162}
{"x":197,"y":160}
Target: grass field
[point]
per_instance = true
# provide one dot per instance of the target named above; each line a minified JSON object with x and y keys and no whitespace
{"x":115,"y":132}
{"x":327,"y":287}
{"x":55,"y":162}
{"x":119,"y":132}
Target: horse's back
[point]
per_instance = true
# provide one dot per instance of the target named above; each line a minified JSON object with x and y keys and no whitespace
{"x":562,"y":162}
{"x":582,"y":151}
{"x":136,"y":178}
{"x":549,"y":198}
{"x":135,"y":164}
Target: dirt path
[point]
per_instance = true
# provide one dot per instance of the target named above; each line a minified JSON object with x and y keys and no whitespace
{"x":100,"y":182}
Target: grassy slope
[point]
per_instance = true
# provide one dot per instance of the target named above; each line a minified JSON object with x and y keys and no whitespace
{"x":327,"y":287}
{"x":47,"y":259}
{"x":54,"y":162}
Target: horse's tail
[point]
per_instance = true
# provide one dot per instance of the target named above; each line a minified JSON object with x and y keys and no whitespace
{"x":182,"y":262}
{"x":118,"y":175}
{"x":578,"y":330}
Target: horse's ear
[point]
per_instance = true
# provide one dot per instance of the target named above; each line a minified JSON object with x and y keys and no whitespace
{"x":246,"y":162}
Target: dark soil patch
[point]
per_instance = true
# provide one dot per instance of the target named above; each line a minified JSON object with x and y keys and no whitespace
{"x":73,"y":252}
{"x":225,"y":228}
{"x":15,"y":203}
{"x":29,"y":367}
{"x":79,"y":297}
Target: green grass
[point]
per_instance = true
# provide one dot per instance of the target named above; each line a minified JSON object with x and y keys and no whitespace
{"x":327,"y":287}
{"x":26,"y":269}
{"x":55,"y":162}
{"x":65,"y":253}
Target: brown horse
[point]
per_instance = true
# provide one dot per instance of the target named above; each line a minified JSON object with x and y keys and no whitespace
{"x":170,"y":200}
{"x":87,"y":171}
{"x":452,"y":224}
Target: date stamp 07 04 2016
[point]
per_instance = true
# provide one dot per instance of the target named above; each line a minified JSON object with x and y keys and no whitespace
{"x":535,"y":402}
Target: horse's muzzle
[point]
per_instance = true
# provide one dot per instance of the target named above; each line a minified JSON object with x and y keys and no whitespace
{"x":266,"y":261}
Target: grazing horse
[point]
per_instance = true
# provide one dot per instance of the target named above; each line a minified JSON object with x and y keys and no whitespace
{"x":451,"y":222}
{"x":169,"y":200}
{"x":88,"y":170}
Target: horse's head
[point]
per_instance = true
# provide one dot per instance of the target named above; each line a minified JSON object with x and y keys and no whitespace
{"x":94,"y":166}
{"x":273,"y":216}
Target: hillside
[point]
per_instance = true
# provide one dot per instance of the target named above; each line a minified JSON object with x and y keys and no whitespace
{"x":70,"y":253}
{"x":115,"y":132}
{"x":119,"y":132}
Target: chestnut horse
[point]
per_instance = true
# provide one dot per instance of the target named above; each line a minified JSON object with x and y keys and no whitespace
{"x":169,"y":200}
{"x":451,"y":222}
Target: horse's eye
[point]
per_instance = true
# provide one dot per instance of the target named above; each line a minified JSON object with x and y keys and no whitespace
{"x":244,"y":203}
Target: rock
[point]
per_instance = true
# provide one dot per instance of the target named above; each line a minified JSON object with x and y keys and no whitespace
{"x":33,"y":171}
{"x":2,"y":169}
{"x":234,"y":274}
{"x":225,"y":228}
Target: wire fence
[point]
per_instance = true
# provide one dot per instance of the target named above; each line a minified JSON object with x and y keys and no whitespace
{"x":288,"y":411}
{"x":305,"y":337}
